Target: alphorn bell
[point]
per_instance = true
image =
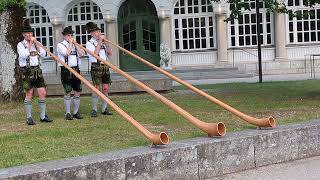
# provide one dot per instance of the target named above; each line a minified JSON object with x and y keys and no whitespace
{"x":264,"y":122}
{"x":212,"y":129}
{"x":157,"y":139}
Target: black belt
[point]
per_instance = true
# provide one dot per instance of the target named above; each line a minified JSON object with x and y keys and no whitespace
{"x":30,"y":66}
{"x":70,"y":66}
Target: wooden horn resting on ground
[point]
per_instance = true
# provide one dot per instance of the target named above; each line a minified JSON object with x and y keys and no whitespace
{"x":212,"y":129}
{"x":157,"y":139}
{"x":264,"y":122}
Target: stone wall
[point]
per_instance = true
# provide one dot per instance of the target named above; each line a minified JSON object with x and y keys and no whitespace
{"x":281,"y":67}
{"x":197,"y":158}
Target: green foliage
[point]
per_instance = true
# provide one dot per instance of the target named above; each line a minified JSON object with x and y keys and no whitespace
{"x":238,"y":6}
{"x":6,"y":4}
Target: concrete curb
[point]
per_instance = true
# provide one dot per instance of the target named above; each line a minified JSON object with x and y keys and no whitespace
{"x":197,"y":158}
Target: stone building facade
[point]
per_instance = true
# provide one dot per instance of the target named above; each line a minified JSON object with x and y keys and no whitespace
{"x":193,"y":30}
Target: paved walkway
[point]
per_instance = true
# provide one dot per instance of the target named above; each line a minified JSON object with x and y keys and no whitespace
{"x":305,"y":169}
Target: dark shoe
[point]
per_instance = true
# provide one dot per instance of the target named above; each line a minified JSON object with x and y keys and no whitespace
{"x":94,"y":113}
{"x":68,"y":116}
{"x":45,"y":119}
{"x":30,"y":121}
{"x":77,"y":116}
{"x":106,"y":112}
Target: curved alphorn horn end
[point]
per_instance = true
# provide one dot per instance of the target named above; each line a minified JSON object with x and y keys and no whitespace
{"x":216,"y":129}
{"x":272,"y":122}
{"x":164,"y":138}
{"x":161,"y":139}
{"x":269,"y":122}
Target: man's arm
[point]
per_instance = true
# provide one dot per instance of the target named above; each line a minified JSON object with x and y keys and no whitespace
{"x":22,"y":51}
{"x":40,"y":50}
{"x":61,"y":50}
{"x":109,"y":50}
{"x":98,"y":47}
{"x":91,"y":48}
{"x":80,"y":51}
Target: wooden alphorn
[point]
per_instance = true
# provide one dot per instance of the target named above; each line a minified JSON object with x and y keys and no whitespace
{"x":264,"y":122}
{"x":212,"y":129}
{"x":157,"y":139}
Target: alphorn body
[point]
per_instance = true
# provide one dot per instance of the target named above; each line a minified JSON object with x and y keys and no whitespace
{"x":212,"y":129}
{"x":264,"y":122}
{"x":157,"y":139}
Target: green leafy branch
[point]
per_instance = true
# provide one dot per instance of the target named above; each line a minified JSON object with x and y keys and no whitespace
{"x":238,"y":6}
{"x":7,"y":4}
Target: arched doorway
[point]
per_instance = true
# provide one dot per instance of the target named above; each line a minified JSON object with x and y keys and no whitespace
{"x":139,"y":33}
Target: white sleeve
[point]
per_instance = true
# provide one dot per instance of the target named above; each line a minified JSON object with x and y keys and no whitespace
{"x":42,"y":52}
{"x":91,"y":48}
{"x":22,"y":51}
{"x":61,"y":50}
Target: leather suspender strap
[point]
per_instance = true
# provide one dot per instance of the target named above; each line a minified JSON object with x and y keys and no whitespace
{"x":98,"y":62}
{"x":66,"y":57}
{"x":28,"y":58}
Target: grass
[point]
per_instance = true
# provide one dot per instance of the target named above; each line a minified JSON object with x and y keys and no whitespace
{"x":288,"y":102}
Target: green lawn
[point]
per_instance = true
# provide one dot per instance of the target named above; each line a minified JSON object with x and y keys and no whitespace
{"x":20,"y":144}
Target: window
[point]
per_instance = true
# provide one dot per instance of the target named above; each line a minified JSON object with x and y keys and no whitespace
{"x":193,"y":25}
{"x":129,"y":36}
{"x":243,"y":32}
{"x":149,"y":36}
{"x":82,"y":13}
{"x":303,"y":29}
{"x":40,"y":23}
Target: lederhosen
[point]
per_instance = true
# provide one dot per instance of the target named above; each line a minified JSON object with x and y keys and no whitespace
{"x":100,"y":73}
{"x":32,"y":75}
{"x":70,"y":81}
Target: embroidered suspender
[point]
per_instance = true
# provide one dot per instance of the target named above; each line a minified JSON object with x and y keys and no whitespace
{"x":98,"y":62}
{"x":32,"y":53}
{"x":28,"y":58}
{"x":102,"y":47}
{"x":66,"y":58}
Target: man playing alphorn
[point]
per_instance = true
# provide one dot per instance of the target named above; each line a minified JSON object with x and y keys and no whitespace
{"x":99,"y":72}
{"x":68,"y":53}
{"x":29,"y":61}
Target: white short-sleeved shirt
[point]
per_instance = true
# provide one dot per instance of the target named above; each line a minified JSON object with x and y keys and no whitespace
{"x":91,"y":45}
{"x":24,"y":54}
{"x":73,"y":58}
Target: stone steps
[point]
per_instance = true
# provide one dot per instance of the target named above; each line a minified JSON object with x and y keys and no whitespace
{"x":153,"y":79}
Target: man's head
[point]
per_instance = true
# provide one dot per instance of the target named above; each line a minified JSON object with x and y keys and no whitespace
{"x":67,"y":33}
{"x":96,"y":34}
{"x":27,"y":31}
{"x":93,"y":29}
{"x":27,"y":35}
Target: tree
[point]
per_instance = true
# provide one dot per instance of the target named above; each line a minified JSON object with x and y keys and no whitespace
{"x":11,"y":16}
{"x":275,"y":6}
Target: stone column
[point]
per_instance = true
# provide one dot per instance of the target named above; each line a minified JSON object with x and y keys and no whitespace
{"x":280,"y":37}
{"x":165,"y":39}
{"x":165,"y":26}
{"x":112,"y":35}
{"x":57,"y":37}
{"x":222,"y":38}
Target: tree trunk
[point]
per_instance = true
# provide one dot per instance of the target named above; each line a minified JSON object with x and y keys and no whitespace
{"x":10,"y":35}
